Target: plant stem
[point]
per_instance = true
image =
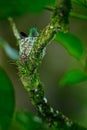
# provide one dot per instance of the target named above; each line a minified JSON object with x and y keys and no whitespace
{"x":28,"y":71}
{"x":72,"y":14}
{"x":15,"y":31}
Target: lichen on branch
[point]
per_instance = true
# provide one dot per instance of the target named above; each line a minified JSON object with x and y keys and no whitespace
{"x":28,"y":67}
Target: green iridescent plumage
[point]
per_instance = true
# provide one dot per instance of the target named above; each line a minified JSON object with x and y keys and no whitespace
{"x":33,"y":32}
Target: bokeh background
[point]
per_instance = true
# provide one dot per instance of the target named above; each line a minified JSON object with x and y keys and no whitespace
{"x":71,"y":100}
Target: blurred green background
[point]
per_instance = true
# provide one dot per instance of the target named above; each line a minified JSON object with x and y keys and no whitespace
{"x":71,"y":100}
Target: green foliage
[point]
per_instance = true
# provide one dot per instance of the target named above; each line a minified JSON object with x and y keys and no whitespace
{"x":72,"y":44}
{"x":25,"y":121}
{"x":73,"y":77}
{"x":78,"y":16}
{"x":7,"y":101}
{"x":11,"y":52}
{"x":38,"y":5}
{"x":81,"y":3}
{"x":19,"y":7}
{"x":28,"y":67}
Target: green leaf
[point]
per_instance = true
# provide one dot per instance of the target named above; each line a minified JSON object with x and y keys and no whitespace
{"x":73,"y":77}
{"x":51,"y":2}
{"x":81,"y":3}
{"x":11,"y":52}
{"x":78,"y":16}
{"x":72,"y":44}
{"x":26,"y":121}
{"x":39,"y":5}
{"x":7,"y":101}
{"x":19,"y":7}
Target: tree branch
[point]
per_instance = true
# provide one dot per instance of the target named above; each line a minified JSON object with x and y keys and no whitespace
{"x":30,"y":77}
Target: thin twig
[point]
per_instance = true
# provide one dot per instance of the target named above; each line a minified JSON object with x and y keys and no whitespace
{"x":14,"y":28}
